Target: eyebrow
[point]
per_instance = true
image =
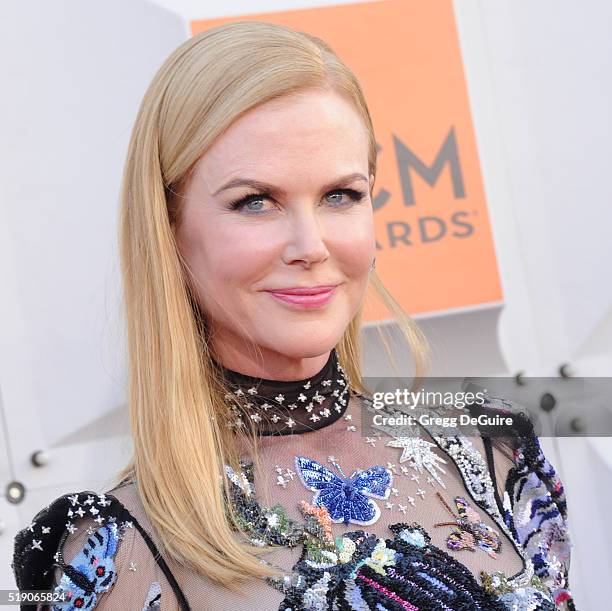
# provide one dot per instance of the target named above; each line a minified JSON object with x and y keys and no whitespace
{"x":263,"y":186}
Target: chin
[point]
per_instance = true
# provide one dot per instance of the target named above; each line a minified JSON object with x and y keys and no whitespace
{"x":307,"y":344}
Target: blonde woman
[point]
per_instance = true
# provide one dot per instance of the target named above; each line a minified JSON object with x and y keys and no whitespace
{"x":247,"y":248}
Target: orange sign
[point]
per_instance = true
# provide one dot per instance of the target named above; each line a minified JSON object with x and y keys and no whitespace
{"x":435,"y":248}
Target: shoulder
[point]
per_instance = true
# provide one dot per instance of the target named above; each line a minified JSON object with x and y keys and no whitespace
{"x":38,"y":547}
{"x":78,"y":545}
{"x":523,"y":447}
{"x":535,"y":505}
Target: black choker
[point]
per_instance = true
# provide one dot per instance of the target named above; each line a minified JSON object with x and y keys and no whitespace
{"x":280,"y":407}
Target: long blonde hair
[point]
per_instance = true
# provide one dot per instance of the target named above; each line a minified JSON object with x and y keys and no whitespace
{"x":175,"y":396}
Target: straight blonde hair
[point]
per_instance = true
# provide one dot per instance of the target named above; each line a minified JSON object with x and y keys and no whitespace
{"x":176,"y":397}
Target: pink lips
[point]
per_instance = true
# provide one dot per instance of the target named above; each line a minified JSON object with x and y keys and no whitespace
{"x":305,"y":297}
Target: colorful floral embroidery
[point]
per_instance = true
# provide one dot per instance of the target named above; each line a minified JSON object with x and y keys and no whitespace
{"x":352,"y":571}
{"x":362,"y":571}
{"x":403,"y":572}
{"x":357,"y":570}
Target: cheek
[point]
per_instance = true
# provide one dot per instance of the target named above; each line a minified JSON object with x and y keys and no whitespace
{"x":224,"y":256}
{"x":353,"y":247}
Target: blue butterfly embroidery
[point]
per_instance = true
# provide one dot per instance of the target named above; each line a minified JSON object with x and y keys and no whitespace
{"x":345,"y":498}
{"x":91,"y":571}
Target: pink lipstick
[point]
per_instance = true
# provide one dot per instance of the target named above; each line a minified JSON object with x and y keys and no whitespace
{"x":305,"y":297}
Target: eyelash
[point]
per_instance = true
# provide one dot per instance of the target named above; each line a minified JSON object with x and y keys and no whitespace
{"x":356,"y":197}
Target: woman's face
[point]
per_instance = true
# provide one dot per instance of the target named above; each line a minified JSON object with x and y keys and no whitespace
{"x":308,"y":223}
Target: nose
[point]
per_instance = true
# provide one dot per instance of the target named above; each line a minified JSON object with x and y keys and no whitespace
{"x":306,"y":243}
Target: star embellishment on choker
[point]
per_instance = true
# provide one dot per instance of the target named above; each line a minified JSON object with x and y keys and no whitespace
{"x":287,"y":407}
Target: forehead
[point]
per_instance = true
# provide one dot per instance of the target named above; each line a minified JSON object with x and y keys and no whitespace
{"x":311,"y":130}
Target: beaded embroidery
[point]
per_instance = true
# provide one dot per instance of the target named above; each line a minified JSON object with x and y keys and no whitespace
{"x":153,"y":599}
{"x":475,"y":474}
{"x":362,"y":571}
{"x":472,"y":532}
{"x":418,"y":453}
{"x":536,"y":513}
{"x":359,"y":570}
{"x":91,"y":571}
{"x":345,"y":498}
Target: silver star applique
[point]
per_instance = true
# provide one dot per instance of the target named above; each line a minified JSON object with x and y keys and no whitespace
{"x":419,"y":453}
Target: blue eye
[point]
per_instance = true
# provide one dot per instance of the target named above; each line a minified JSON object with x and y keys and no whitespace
{"x":355,"y":196}
{"x":248,"y":201}
{"x":256,"y":198}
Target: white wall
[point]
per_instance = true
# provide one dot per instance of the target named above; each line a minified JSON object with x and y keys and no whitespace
{"x":73,"y":76}
{"x":540,"y":84}
{"x":540,"y":81}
